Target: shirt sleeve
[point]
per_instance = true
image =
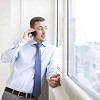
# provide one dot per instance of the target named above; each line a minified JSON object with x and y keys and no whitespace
{"x":12,"y":53}
{"x":53,"y":64}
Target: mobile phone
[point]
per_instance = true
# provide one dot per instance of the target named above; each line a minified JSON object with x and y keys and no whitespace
{"x":33,"y":33}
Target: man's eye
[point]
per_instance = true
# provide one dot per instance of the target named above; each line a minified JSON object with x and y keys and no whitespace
{"x":45,"y":28}
{"x":40,"y":29}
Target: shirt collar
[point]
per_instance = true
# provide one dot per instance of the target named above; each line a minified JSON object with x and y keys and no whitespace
{"x":34,"y":42}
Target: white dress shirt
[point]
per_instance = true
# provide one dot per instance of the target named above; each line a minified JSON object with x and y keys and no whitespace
{"x":22,"y":55}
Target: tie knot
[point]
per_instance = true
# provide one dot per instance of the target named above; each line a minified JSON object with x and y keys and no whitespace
{"x":38,"y":45}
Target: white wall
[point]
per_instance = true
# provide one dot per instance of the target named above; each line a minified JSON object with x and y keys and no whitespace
{"x":9,"y":31}
{"x":44,"y":8}
{"x":4,"y":39}
{"x":14,"y":21}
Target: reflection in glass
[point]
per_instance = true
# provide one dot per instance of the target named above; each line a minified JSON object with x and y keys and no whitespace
{"x":84,"y":42}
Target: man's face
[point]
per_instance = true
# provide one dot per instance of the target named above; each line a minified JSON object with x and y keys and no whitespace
{"x":40,"y":28}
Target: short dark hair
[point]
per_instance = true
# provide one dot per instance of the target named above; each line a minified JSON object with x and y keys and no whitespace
{"x":35,"y":19}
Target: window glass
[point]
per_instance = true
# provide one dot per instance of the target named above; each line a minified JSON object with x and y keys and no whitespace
{"x":84,"y":43}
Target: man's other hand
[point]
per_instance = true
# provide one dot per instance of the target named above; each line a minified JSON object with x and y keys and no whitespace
{"x":54,"y":80}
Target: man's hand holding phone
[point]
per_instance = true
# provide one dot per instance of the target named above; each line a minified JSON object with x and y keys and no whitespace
{"x":29,"y":34}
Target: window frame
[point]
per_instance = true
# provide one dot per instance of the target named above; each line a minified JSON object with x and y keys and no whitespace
{"x":71,"y":86}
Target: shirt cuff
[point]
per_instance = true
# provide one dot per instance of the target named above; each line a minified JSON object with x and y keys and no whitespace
{"x":22,"y":42}
{"x":18,"y":44}
{"x":48,"y":76}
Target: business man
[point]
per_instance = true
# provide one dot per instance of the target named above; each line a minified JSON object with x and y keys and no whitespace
{"x":34,"y":61}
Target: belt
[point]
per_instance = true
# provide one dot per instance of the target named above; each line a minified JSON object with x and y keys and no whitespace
{"x":18,"y":93}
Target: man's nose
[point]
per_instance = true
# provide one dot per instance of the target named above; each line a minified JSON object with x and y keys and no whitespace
{"x":44,"y":31}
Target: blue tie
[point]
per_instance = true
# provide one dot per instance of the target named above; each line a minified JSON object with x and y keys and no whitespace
{"x":37,"y":76}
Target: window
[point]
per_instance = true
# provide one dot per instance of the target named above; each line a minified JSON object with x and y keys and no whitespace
{"x":59,"y":32}
{"x":84,"y":45}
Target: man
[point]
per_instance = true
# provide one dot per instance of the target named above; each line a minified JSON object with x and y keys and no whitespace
{"x":22,"y":53}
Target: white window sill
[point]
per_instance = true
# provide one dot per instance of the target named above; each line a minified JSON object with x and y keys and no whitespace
{"x":58,"y":93}
{"x":73,"y":90}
